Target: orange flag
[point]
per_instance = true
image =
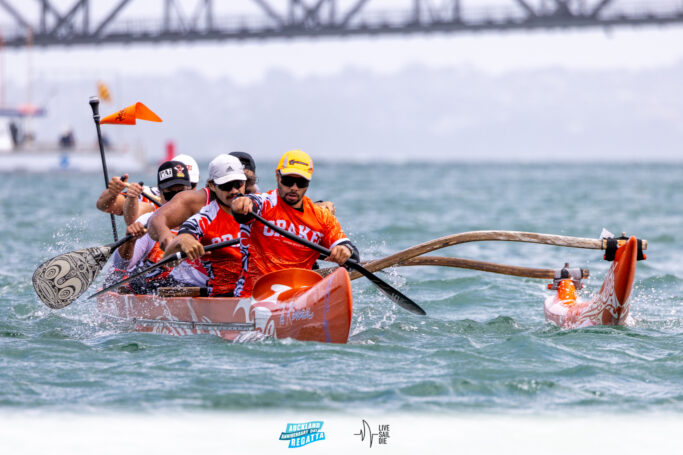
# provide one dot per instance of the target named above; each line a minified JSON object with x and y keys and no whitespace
{"x":128,"y":115}
{"x":103,"y":92}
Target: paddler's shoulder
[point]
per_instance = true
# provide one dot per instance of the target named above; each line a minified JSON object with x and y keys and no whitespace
{"x":271,"y":197}
{"x":320,"y":213}
{"x":197,"y":198}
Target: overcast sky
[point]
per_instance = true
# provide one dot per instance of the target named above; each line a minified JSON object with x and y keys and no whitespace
{"x":637,"y":48}
{"x":504,"y":65}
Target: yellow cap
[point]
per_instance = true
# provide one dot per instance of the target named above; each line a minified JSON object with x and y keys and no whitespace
{"x":296,"y":162}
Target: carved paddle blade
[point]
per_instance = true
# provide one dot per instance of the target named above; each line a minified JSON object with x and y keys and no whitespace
{"x":62,"y":279}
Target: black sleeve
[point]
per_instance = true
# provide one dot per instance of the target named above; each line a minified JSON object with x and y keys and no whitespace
{"x":246,"y":219}
{"x":355,"y":255}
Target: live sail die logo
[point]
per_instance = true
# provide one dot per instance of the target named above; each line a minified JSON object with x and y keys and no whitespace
{"x":380,"y":436}
{"x":301,"y":434}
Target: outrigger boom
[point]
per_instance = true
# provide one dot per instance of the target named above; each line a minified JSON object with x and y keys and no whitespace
{"x":403,"y":258}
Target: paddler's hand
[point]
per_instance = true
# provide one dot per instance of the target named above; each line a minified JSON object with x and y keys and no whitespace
{"x":117,"y":184}
{"x":136,"y":229}
{"x":134,"y":190}
{"x":188,"y":245}
{"x":327,"y":205}
{"x":166,"y":241}
{"x":339,"y":254}
{"x":242,"y":205}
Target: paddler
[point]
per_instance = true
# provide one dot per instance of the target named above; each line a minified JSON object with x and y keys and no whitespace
{"x":189,"y":203}
{"x":115,"y":200}
{"x":173,"y":177}
{"x":289,"y":208}
{"x":213,"y":224}
{"x":249,"y":166}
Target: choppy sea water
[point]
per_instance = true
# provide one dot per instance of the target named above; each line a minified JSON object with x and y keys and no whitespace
{"x":483,"y":348}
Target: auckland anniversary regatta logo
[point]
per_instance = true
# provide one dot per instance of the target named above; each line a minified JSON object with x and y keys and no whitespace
{"x":301,"y":434}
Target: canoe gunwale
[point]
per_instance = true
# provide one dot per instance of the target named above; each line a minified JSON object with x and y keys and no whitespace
{"x":322,"y":313}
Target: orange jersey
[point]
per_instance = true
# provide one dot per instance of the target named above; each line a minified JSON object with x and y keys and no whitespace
{"x":213,"y":225}
{"x":153,"y":191}
{"x":268,"y":251}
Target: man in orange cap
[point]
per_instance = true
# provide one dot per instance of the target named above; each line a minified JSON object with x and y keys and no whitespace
{"x":289,"y":208}
{"x":191,"y":202}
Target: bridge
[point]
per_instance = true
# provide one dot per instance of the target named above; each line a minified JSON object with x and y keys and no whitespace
{"x":49,"y":23}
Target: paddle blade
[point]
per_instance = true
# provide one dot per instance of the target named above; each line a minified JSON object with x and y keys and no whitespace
{"x":394,"y":294}
{"x":62,"y":279}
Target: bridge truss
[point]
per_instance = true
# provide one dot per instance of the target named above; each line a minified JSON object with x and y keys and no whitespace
{"x":95,"y":22}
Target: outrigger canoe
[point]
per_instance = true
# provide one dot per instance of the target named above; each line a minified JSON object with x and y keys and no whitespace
{"x":304,"y":305}
{"x":609,"y":307}
{"x":293,"y":303}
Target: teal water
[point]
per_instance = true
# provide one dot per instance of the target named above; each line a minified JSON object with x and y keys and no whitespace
{"x":484,"y":345}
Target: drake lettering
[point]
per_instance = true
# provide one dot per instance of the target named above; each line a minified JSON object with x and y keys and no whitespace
{"x":300,"y":230}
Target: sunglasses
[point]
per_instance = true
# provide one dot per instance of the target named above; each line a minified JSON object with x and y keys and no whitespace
{"x":288,"y":180}
{"x":228,"y":186}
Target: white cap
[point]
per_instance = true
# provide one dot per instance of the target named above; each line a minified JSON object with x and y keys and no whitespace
{"x":226,"y":168}
{"x":191,"y":166}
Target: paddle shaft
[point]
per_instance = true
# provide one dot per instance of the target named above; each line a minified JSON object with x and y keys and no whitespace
{"x":118,"y":243}
{"x":95,"y":105}
{"x":174,"y":257}
{"x":393,"y":294}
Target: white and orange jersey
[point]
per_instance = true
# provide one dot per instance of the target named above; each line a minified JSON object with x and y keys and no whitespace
{"x":147,"y":252}
{"x":213,"y":225}
{"x":152,"y":191}
{"x":268,"y":251}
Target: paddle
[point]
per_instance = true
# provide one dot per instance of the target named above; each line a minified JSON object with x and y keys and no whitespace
{"x":155,"y":200}
{"x":62,"y":279}
{"x":174,"y":257}
{"x":95,"y":105}
{"x":393,"y":294}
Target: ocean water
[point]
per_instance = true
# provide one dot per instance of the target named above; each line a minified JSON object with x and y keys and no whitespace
{"x":483,"y":348}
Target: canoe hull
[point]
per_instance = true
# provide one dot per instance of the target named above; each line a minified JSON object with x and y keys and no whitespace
{"x":319,"y":312}
{"x":610,"y":306}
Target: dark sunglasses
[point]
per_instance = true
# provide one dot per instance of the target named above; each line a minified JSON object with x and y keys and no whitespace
{"x":228,"y":186}
{"x":288,"y":180}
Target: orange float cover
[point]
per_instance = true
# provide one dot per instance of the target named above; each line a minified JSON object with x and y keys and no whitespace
{"x":610,"y":306}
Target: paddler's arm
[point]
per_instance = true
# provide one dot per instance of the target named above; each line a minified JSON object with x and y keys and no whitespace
{"x":241,"y":206}
{"x":111,"y":200}
{"x":174,"y":213}
{"x":342,"y":252}
{"x":187,"y":244}
{"x":126,"y":250}
{"x":132,"y":207}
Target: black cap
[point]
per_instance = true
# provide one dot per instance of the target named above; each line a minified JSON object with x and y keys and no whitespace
{"x":246,"y":160}
{"x":172,"y":173}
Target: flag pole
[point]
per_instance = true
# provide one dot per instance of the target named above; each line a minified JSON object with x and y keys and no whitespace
{"x":95,"y":105}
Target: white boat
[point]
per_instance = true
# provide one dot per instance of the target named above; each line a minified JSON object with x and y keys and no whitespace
{"x":22,"y":154}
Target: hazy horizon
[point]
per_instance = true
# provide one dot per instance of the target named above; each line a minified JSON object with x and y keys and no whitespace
{"x":453,"y":114}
